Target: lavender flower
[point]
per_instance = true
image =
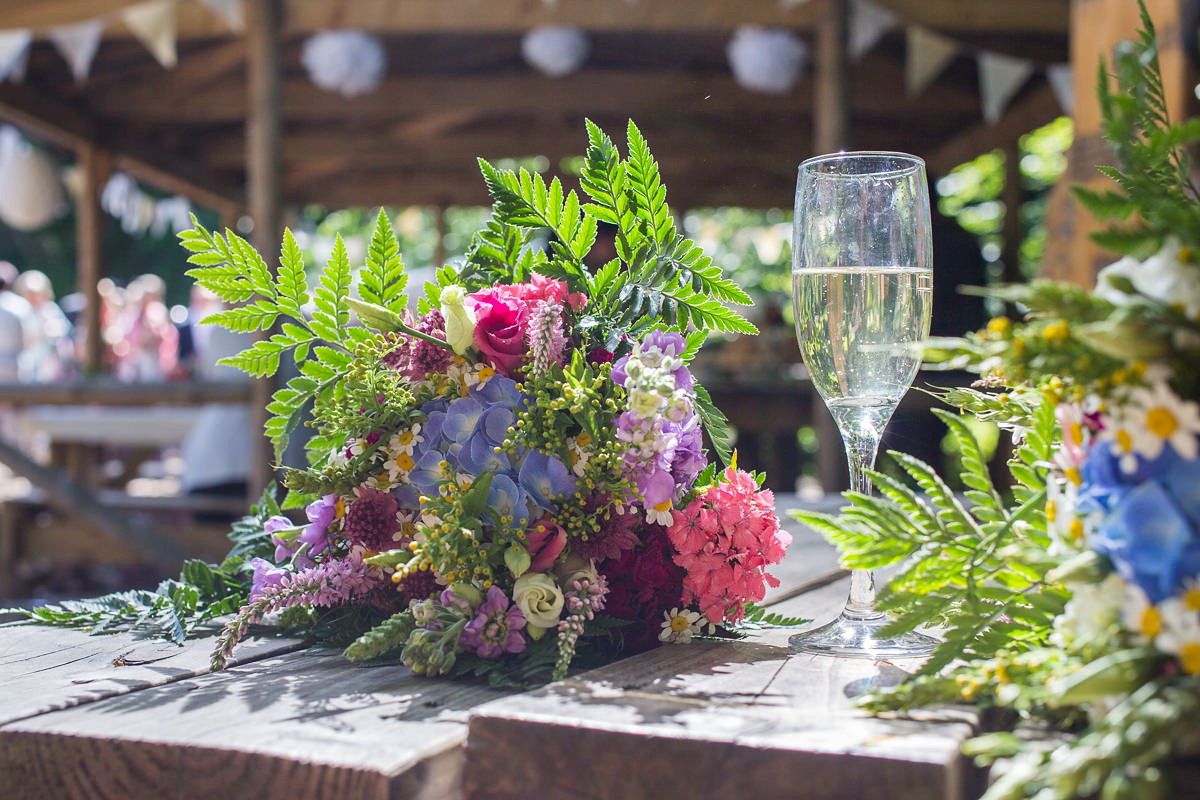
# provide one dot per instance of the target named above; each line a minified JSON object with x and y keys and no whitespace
{"x":496,"y":629}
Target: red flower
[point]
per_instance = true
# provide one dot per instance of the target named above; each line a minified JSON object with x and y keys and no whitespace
{"x":546,"y":540}
{"x":500,"y":322}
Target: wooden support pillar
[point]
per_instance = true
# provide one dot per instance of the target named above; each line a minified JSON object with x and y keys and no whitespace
{"x":831,"y":118}
{"x":1096,"y":27}
{"x":439,"y":227}
{"x":1011,"y":254}
{"x":94,"y":166}
{"x":264,"y":28}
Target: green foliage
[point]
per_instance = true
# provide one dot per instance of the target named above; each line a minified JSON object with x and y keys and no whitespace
{"x":1154,"y":182}
{"x":173,"y":611}
{"x":178,"y":607}
{"x":971,"y":565}
{"x":389,"y":635}
{"x":322,"y":345}
{"x":759,"y":618}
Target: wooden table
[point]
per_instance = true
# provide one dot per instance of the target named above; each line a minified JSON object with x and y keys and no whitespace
{"x":96,"y":717}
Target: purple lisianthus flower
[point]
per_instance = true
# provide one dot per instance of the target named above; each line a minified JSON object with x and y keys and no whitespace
{"x":320,"y":513}
{"x":496,"y":629}
{"x":266,"y":575}
{"x":286,"y":545}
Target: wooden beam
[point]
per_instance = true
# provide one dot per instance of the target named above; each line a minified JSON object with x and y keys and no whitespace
{"x":66,"y":126}
{"x":309,"y":16}
{"x":1033,"y":110}
{"x":42,"y":14}
{"x":89,"y":248}
{"x":590,"y":91}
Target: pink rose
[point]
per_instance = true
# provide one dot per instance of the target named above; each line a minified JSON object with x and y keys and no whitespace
{"x":500,"y":322}
{"x":546,"y":540}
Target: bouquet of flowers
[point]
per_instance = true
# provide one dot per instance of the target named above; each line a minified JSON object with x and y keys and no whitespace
{"x":1076,"y":603}
{"x":519,"y":466}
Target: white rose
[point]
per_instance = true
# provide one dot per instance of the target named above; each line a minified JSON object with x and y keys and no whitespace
{"x":540,"y":600}
{"x":460,"y":318}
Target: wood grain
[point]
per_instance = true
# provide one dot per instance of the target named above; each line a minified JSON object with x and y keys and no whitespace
{"x":719,"y":720}
{"x":44,"y":669}
{"x":305,"y":724}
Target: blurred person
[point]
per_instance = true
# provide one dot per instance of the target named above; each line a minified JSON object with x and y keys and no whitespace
{"x":14,"y":313}
{"x":218,"y":451}
{"x":48,"y":354}
{"x":150,"y":339}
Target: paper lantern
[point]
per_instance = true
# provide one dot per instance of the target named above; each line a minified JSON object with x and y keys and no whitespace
{"x":348,"y":62}
{"x":766,"y":59}
{"x":31,"y":195}
{"x":555,"y":50}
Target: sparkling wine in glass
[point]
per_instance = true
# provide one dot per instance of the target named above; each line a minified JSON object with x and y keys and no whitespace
{"x":862,"y":290}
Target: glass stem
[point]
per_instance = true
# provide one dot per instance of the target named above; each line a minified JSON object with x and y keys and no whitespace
{"x":861,"y":449}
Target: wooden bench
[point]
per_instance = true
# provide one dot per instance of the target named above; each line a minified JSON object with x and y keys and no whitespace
{"x":117,"y":717}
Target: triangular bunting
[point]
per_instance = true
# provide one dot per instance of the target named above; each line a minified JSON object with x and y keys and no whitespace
{"x":230,"y":11}
{"x":1062,"y":81}
{"x":928,"y":55}
{"x":153,"y":24}
{"x":868,"y":23}
{"x":14,"y":46}
{"x":1000,"y":77}
{"x":78,"y":44}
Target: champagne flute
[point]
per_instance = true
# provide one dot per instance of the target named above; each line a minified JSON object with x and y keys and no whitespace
{"x":862,"y":290}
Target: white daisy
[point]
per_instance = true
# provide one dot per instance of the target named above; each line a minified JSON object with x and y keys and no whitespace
{"x":1139,"y":615}
{"x":660,"y":514}
{"x":579,"y":454}
{"x":1165,"y":418}
{"x":1180,"y":634}
{"x":679,"y":625}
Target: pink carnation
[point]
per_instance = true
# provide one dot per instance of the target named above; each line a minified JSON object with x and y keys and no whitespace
{"x":725,"y":539}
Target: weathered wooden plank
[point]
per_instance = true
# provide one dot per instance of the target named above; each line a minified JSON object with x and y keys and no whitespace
{"x":711,"y":720}
{"x":304,"y":724}
{"x":44,"y":669}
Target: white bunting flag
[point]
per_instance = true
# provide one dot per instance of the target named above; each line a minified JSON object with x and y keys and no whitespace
{"x":1062,"y":81}
{"x":1000,"y":77}
{"x":928,"y":55}
{"x":14,"y":49}
{"x":78,"y":44}
{"x":230,"y":11}
{"x":868,"y":23}
{"x":153,"y":24}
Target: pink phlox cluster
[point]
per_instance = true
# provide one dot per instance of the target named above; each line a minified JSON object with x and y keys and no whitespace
{"x":725,"y":539}
{"x":540,"y":288}
{"x":547,"y":342}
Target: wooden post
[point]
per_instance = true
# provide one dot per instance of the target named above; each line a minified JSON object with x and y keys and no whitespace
{"x":1011,"y":255}
{"x":264,"y":27}
{"x":831,"y":115}
{"x":439,"y":227}
{"x":1096,"y":26}
{"x":89,"y":255}
{"x":831,"y":118}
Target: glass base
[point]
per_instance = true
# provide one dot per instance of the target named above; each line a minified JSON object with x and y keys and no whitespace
{"x":856,"y":637}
